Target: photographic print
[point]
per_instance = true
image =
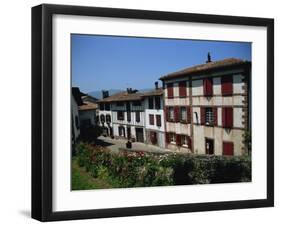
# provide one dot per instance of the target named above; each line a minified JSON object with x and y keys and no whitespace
{"x":159,"y":112}
{"x":130,"y":106}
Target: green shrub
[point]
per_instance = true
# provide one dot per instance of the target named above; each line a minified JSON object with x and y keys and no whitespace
{"x":140,"y":169}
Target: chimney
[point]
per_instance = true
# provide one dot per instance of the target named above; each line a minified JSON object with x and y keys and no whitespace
{"x":156,"y":85}
{"x":209,"y":60}
{"x":105,"y":93}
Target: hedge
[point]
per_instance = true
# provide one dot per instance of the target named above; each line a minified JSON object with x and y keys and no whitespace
{"x":139,"y":169}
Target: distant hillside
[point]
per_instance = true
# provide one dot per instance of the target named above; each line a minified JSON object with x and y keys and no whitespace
{"x":98,"y":93}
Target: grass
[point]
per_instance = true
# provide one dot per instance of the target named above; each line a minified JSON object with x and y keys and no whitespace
{"x":82,"y":180}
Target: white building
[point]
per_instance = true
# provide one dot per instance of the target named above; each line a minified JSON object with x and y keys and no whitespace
{"x":154,"y":117}
{"x":207,"y":107}
{"x":127,"y":113}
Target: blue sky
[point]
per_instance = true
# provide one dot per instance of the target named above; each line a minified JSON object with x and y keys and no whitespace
{"x":112,"y":62}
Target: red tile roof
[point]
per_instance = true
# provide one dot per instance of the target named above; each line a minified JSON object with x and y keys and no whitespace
{"x":87,"y":105}
{"x":214,"y":65}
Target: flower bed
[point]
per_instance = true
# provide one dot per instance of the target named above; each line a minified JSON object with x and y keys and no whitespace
{"x":139,"y":169}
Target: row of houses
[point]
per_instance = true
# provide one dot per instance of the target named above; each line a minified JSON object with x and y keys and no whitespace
{"x":204,"y":109}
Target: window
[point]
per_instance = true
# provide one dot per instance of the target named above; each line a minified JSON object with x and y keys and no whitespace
{"x":183,"y":114}
{"x":208,"y":86}
{"x":151,"y":119}
{"x":182,"y":89}
{"x":227,"y":148}
{"x":186,"y":141}
{"x":226,"y":85}
{"x":101,"y":106}
{"x":102,"y":118}
{"x":137,"y":116}
{"x":137,"y":103}
{"x":120,"y":115}
{"x":158,"y":120}
{"x":120,"y":104}
{"x":128,"y":116}
{"x":108,"y":118}
{"x":209,"y":116}
{"x":157,"y":102}
{"x":170,"y":89}
{"x":107,"y":107}
{"x":227,"y":117}
{"x":171,"y":114}
{"x":172,"y":138}
{"x":150,"y":102}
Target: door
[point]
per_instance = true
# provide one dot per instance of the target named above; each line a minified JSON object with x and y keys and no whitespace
{"x":153,"y":137}
{"x":209,"y":146}
{"x":139,"y":135}
{"x":129,"y":132}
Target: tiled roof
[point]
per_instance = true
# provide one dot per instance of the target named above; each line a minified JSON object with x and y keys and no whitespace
{"x":122,"y":96}
{"x":87,"y":105}
{"x":214,"y":65}
{"x":125,"y":96}
{"x":156,"y":92}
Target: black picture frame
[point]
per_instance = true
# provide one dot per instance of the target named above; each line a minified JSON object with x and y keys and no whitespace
{"x":42,"y":111}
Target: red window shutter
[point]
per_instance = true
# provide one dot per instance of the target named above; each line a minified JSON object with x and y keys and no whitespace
{"x":158,"y":120}
{"x":223,"y":118}
{"x":189,"y":143}
{"x":170,"y":88}
{"x":188,"y":114}
{"x":167,"y":138}
{"x":178,"y":139}
{"x":177,"y":113}
{"x":208,"y":86}
{"x":227,"y":117}
{"x":228,"y":148}
{"x":202,"y":114}
{"x":167,"y":114}
{"x":182,"y":89}
{"x":215,"y":114}
{"x":226,"y":85}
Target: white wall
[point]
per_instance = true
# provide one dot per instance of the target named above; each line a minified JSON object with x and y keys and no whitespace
{"x":15,"y":55}
{"x":154,"y":112}
{"x":133,"y":118}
